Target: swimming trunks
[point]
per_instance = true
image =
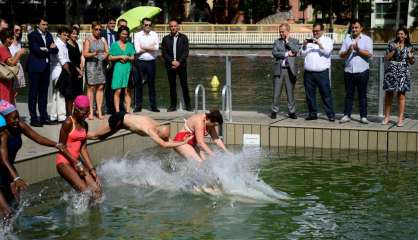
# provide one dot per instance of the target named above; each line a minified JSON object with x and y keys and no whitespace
{"x":116,"y":121}
{"x":75,"y":138}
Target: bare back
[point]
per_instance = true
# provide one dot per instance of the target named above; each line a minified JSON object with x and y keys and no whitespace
{"x":139,"y":124}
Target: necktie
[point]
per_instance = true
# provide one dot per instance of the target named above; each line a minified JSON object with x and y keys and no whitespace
{"x":110,"y":39}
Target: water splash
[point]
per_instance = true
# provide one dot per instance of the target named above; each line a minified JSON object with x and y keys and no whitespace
{"x":6,"y":227}
{"x":226,"y":175}
{"x":79,"y":203}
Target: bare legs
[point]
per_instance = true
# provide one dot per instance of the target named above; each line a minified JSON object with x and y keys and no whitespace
{"x":99,"y":99}
{"x":188,"y":152}
{"x":116,"y":100}
{"x":401,"y":102}
{"x":79,"y":184}
{"x":388,"y":106}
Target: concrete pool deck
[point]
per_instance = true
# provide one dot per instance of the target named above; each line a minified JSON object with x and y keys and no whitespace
{"x":36,"y":163}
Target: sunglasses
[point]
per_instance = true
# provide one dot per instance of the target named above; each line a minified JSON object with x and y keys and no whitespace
{"x":18,"y":30}
{"x":147,"y":25}
{"x":97,"y":29}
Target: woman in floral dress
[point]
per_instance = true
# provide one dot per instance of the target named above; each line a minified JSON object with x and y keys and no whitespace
{"x":399,"y":54}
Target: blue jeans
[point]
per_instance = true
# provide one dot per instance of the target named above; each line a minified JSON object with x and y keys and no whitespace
{"x":360,"y":81}
{"x":312,"y":80}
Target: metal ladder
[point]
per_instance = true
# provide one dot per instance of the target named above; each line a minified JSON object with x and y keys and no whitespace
{"x":196,"y":97}
{"x":227,"y":102}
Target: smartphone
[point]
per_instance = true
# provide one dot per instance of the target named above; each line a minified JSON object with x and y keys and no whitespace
{"x":309,"y":40}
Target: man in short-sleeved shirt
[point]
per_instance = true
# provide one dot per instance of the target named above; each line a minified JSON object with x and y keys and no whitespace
{"x":356,"y":51}
{"x":146,"y":46}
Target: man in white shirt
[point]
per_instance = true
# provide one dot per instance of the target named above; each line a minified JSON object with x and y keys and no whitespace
{"x":146,"y":45}
{"x":59,"y":63}
{"x":356,"y":50}
{"x":317,"y":52}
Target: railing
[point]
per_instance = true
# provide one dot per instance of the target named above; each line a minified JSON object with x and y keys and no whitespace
{"x":232,"y":38}
{"x":227,"y":102}
{"x":196,"y":98}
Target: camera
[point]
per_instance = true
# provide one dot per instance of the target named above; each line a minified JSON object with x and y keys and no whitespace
{"x":309,"y":40}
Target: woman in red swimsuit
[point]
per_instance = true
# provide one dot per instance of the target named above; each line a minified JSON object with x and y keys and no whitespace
{"x":200,"y":125}
{"x":81,"y":175}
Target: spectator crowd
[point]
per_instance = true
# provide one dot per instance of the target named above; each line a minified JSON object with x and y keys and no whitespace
{"x":110,"y":66}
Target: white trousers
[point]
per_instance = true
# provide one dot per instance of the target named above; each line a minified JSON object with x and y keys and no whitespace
{"x":56,"y":102}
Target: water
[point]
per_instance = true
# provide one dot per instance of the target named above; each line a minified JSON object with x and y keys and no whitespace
{"x":252,"y":84}
{"x":266,"y":194}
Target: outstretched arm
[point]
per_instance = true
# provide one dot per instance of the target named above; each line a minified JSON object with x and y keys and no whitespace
{"x":36,"y":137}
{"x":165,"y":144}
{"x":216,"y":139}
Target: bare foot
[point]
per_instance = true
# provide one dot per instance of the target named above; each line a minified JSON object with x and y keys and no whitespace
{"x":91,"y":117}
{"x":400,"y":124}
{"x":385,"y":121}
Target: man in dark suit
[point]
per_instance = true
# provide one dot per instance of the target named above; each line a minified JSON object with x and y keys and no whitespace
{"x":175,"y":50}
{"x":41,"y":46}
{"x":111,"y":36}
{"x":285,"y":70}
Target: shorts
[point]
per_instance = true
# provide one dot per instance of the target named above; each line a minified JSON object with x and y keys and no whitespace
{"x":180,"y":136}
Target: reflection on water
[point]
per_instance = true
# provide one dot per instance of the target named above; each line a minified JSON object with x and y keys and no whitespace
{"x":252,"y":84}
{"x":149,"y":195}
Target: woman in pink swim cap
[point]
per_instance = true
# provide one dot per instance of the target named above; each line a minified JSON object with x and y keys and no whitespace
{"x":81,"y":175}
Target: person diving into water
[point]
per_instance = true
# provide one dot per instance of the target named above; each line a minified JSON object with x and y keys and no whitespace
{"x":197,"y":127}
{"x":141,"y":125}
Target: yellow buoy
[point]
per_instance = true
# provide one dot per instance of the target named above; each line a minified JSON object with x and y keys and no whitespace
{"x":214,"y":83}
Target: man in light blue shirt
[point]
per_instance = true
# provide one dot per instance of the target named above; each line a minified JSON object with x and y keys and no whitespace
{"x":356,"y":50}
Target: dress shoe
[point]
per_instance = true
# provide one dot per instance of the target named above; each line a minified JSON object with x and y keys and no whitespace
{"x":155,"y":110}
{"x":331,"y":119}
{"x":273,"y":115}
{"x":171,"y":109}
{"x":49,"y":122}
{"x":36,"y":124}
{"x":311,"y":117}
{"x":292,"y":116}
{"x":189,"y":109}
{"x":138,"y":109}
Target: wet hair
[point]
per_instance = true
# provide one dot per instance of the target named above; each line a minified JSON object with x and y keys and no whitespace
{"x":215,"y":116}
{"x":145,"y":19}
{"x":321,"y":26}
{"x":5,"y":34}
{"x":403,"y":29}
{"x":63,"y":30}
{"x":123,"y":28}
{"x":354,"y":21}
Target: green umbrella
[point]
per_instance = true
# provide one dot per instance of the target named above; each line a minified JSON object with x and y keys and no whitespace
{"x":135,"y":15}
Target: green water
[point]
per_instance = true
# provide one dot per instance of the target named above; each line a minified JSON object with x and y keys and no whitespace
{"x":149,"y":195}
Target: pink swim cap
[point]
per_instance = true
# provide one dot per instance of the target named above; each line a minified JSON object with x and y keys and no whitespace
{"x":81,"y":101}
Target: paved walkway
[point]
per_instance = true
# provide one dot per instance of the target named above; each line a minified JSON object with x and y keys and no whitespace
{"x":31,"y":149}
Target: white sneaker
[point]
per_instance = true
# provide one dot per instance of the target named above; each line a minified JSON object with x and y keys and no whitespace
{"x":345,"y":119}
{"x":364,"y":120}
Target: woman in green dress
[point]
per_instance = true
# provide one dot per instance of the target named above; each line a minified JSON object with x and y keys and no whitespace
{"x":121,"y":54}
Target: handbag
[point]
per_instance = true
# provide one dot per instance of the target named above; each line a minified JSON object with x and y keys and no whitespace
{"x":8,"y":72}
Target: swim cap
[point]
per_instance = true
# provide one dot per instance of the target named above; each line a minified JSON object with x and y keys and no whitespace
{"x":2,"y":121}
{"x":81,"y":101}
{"x":6,"y":107}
